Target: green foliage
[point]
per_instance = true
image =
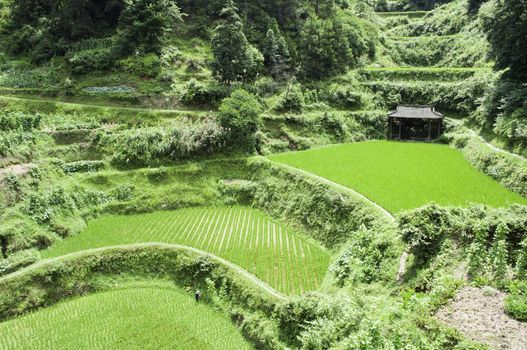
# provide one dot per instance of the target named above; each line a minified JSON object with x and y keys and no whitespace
{"x":149,"y":146}
{"x":276,"y":53}
{"x":196,"y":93}
{"x":328,"y":215}
{"x":129,"y":316}
{"x":18,"y":260}
{"x":491,"y":238}
{"x":506,"y":30}
{"x":324,"y":47}
{"x":147,"y":66}
{"x":422,"y":230}
{"x":369,"y":257}
{"x":239,"y":115}
{"x":516,"y":302}
{"x":145,"y":24}
{"x":292,"y":100}
{"x":85,"y":166}
{"x":234,"y":58}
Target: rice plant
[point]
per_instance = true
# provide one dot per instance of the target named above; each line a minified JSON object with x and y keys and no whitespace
{"x":146,"y":317}
{"x":273,"y":252}
{"x":400,"y":176}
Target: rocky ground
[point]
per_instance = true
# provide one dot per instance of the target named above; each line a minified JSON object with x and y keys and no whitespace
{"x":480,"y":315}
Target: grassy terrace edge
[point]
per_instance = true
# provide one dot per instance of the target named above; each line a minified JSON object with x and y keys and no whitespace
{"x":285,"y":259}
{"x":80,"y":273}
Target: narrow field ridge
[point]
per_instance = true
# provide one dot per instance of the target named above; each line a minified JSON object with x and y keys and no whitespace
{"x":72,"y":256}
{"x":241,"y":235}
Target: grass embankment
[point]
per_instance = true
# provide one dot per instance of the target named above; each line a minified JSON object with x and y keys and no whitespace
{"x":144,"y":317}
{"x":244,"y":236}
{"x":400,"y":176}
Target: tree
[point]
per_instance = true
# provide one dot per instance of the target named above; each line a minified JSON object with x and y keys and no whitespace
{"x":276,"y":53}
{"x":240,"y":117}
{"x":144,"y":25}
{"x":233,"y":55}
{"x":507,"y":34}
{"x":324,"y":47}
{"x":474,"y":5}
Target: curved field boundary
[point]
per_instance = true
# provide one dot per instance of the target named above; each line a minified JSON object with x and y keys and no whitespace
{"x":273,"y":252}
{"x":130,"y":247}
{"x":348,"y":191}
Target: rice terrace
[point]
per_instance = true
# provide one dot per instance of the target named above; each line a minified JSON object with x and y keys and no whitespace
{"x":271,"y":175}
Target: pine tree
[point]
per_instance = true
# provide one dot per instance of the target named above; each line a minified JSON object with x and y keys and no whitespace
{"x":276,"y":53}
{"x":233,"y":55}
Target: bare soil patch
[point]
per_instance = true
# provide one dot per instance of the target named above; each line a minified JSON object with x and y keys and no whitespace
{"x":480,"y":315}
{"x":17,"y":169}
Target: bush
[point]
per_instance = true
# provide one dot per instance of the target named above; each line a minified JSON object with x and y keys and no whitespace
{"x":123,"y":192}
{"x":516,"y":302}
{"x":423,"y":230}
{"x":369,"y":257}
{"x":345,"y":96}
{"x":196,"y":93}
{"x":292,"y":100}
{"x":18,"y":260}
{"x":150,"y":146}
{"x":84,"y":166}
{"x":239,"y":115}
{"x":148,"y":66}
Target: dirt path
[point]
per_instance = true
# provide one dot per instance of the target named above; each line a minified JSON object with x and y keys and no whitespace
{"x":94,"y":105}
{"x":250,"y":277}
{"x":479,"y":314}
{"x":488,"y":144}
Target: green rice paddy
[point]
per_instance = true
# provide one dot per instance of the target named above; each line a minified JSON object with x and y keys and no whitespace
{"x":400,"y":176}
{"x":273,"y":252}
{"x":147,"y":317}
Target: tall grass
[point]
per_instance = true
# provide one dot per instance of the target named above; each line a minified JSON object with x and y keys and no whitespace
{"x":146,"y":317}
{"x":248,"y":238}
{"x":401,"y":176}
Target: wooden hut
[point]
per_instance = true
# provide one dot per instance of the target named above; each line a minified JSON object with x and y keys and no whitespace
{"x":417,"y":123}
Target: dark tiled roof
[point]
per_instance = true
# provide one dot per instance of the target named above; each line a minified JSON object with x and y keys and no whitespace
{"x":416,"y":112}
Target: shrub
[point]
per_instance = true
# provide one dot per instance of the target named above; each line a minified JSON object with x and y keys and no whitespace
{"x":199,"y":94}
{"x":143,"y":66}
{"x":292,"y":100}
{"x":239,"y":115}
{"x":84,"y":166}
{"x":423,"y":230}
{"x":345,"y":96}
{"x":516,"y":302}
{"x":369,"y":257}
{"x":124,"y":192}
{"x":18,"y":260}
{"x":95,"y":59}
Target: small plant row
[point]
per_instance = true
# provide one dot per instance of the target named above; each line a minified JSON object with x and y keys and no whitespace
{"x":244,"y":236}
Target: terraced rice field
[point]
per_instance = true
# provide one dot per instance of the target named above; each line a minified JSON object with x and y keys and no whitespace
{"x":271,"y":251}
{"x":400,"y":176}
{"x":135,"y":318}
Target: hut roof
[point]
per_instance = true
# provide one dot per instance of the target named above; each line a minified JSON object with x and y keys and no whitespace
{"x":416,"y":112}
